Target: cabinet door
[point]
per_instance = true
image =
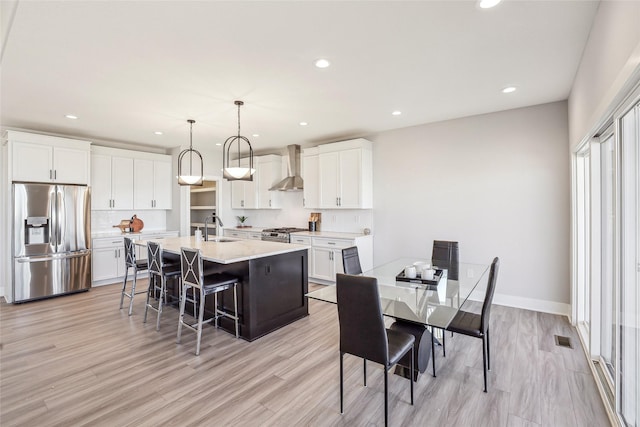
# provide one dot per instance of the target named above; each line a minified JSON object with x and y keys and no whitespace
{"x":100,"y":181}
{"x":250,"y":193}
{"x":122,"y":183}
{"x":106,"y":263}
{"x":143,"y":184}
{"x":311,"y":177}
{"x":71,"y":166}
{"x":237,"y":194}
{"x":162,"y":185}
{"x":32,"y":162}
{"x":350,"y":178}
{"x":328,"y":163}
{"x":323,"y":266}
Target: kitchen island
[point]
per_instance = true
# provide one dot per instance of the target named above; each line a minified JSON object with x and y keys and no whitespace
{"x":273,"y":280}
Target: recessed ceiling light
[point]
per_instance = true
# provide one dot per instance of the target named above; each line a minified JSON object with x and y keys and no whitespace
{"x":303,"y":123}
{"x":218,"y":144}
{"x":396,"y":113}
{"x":322,"y":63}
{"x":71,"y":116}
{"x":509,"y":89}
{"x":486,"y":4}
{"x":158,"y":132}
{"x":255,"y":135}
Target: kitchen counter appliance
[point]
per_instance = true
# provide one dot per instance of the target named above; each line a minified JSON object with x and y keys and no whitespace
{"x":51,"y":240}
{"x":282,"y":235}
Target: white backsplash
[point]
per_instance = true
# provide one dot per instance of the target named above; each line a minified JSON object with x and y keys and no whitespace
{"x":293,"y":214}
{"x":102,"y":221}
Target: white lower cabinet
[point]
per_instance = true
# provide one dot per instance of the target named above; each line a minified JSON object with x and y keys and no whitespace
{"x":325,"y":255}
{"x":107,"y":260}
{"x":242,"y":234}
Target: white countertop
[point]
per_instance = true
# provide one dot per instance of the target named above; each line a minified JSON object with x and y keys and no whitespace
{"x":117,"y":233}
{"x":246,"y":229}
{"x":330,"y":234}
{"x":228,"y":252}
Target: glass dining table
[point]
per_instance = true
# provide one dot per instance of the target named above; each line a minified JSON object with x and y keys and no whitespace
{"x":414,"y":304}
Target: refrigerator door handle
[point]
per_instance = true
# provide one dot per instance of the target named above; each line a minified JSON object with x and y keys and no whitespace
{"x":53,"y":257}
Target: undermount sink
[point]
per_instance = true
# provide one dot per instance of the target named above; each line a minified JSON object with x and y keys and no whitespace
{"x":217,"y":240}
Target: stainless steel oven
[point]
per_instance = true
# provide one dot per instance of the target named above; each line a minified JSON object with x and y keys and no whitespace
{"x":282,"y":234}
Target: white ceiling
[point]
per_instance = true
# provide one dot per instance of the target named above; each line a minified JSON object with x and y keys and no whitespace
{"x":127,"y":69}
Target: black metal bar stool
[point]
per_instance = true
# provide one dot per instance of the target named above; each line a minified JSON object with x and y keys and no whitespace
{"x":193,"y":278}
{"x":131,"y":262}
{"x":159,"y":272}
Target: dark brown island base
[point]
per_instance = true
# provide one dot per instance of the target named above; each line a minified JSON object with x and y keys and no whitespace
{"x":273,"y":281}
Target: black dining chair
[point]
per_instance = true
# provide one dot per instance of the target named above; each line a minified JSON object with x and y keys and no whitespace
{"x":362,"y":331}
{"x":444,"y":254}
{"x":351,"y":261}
{"x":477,"y":325}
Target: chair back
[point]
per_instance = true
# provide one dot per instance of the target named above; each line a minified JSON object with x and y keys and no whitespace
{"x":154,"y":257}
{"x":488,"y":298}
{"x":445,"y":254}
{"x":362,"y":330}
{"x":351,"y":260}
{"x":129,"y":252}
{"x":191,"y":266}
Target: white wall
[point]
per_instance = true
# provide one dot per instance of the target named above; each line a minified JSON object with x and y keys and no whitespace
{"x":611,"y":60}
{"x":497,"y":183}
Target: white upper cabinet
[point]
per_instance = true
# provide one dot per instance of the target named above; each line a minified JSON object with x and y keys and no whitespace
{"x":152,"y":183}
{"x":345,"y":175}
{"x":43,"y":158}
{"x":255,"y":194}
{"x":269,"y":171}
{"x":112,"y":179}
{"x":311,"y":177}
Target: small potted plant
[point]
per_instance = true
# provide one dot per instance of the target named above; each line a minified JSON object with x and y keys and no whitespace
{"x":241,"y":221}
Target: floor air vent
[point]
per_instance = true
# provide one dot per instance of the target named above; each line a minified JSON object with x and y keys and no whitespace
{"x":563,"y":341}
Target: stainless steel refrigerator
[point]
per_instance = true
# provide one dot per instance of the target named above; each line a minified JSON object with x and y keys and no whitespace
{"x":51,"y":240}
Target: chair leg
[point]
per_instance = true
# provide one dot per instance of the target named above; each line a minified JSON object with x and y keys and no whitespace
{"x":215,"y":310}
{"x":133,"y":290}
{"x":163,"y":290}
{"x":341,"y":379}
{"x":433,"y":353}
{"x":364,"y":366}
{"x":444,"y":348}
{"x":484,"y":362}
{"x":146,"y":304}
{"x":183,"y":302}
{"x":386,"y":396}
{"x":488,"y":352}
{"x":200,"y":317}
{"x":235,"y":308}
{"x":124,"y":286}
{"x":412,"y":371}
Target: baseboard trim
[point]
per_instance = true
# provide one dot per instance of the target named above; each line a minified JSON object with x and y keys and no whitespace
{"x":533,"y":304}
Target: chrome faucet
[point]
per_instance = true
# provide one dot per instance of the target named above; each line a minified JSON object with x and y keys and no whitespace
{"x":213,"y":218}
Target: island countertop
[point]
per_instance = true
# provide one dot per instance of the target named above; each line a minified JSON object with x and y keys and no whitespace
{"x":225,"y":250}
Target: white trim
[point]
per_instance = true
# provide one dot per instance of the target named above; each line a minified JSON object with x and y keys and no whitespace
{"x":533,"y":304}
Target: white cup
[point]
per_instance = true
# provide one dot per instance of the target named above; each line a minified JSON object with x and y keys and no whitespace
{"x":410,"y":272}
{"x":428,"y":273}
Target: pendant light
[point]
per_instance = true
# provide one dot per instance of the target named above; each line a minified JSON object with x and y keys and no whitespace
{"x":235,"y":171}
{"x":189,"y":177}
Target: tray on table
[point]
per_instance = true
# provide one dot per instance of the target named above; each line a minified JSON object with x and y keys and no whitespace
{"x":426,"y":282}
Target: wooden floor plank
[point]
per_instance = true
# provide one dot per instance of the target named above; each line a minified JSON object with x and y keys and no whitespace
{"x":80,"y":360}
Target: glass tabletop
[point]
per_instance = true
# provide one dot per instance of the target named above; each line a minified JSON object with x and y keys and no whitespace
{"x":433,"y":305}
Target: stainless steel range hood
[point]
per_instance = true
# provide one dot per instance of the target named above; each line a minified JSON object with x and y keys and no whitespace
{"x":293,"y":181}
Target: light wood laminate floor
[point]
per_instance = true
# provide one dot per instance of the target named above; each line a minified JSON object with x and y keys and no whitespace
{"x":79,"y":360}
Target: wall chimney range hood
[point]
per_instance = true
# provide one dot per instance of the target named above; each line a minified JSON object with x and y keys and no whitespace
{"x":293,"y":181}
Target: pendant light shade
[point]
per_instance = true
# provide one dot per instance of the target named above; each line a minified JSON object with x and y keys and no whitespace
{"x":233,"y":170}
{"x":190,"y":175}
